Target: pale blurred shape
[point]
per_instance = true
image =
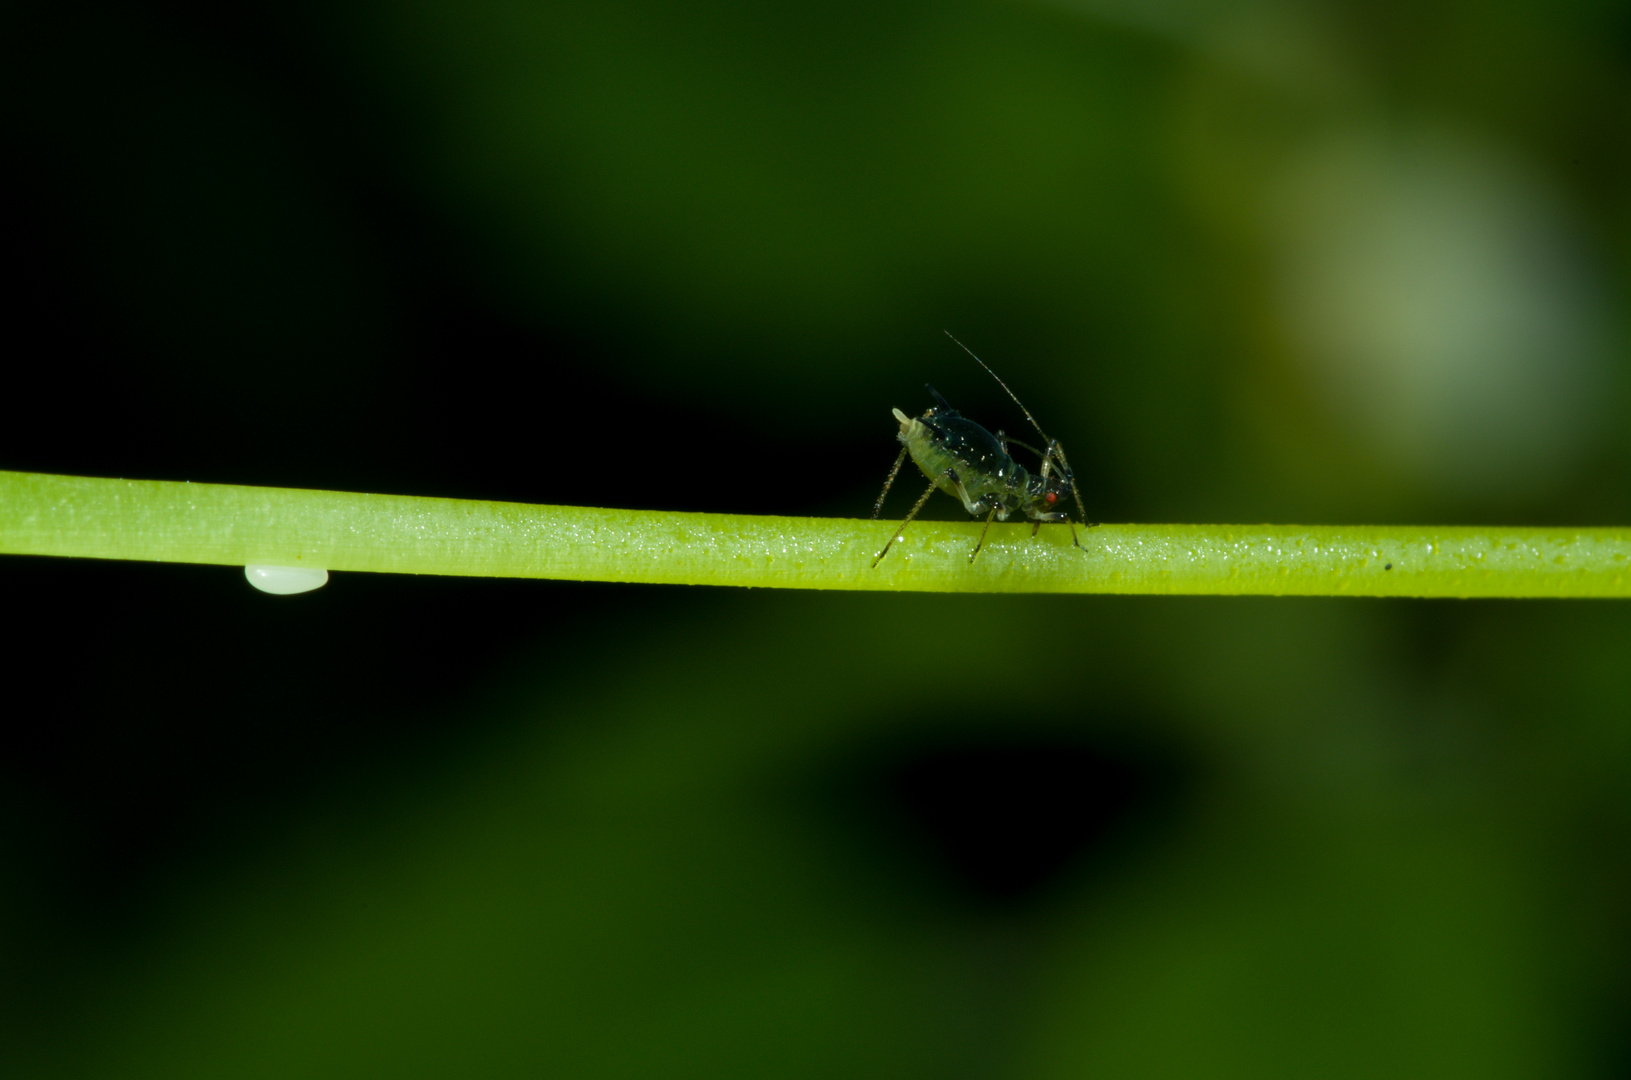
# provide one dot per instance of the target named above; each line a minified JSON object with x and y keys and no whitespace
{"x":1434,"y":293}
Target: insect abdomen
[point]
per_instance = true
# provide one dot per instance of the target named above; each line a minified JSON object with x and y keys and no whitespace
{"x":984,"y":475}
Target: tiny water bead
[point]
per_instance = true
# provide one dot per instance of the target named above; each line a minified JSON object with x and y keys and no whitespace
{"x":286,"y":580}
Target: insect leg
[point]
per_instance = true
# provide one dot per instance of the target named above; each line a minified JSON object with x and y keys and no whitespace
{"x":1036,"y":523}
{"x":925,"y":498}
{"x":888,"y":482}
{"x":1064,"y":468}
{"x":981,"y":541}
{"x":1055,"y":453}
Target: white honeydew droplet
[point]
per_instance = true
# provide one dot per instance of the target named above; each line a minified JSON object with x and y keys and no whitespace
{"x":286,"y":580}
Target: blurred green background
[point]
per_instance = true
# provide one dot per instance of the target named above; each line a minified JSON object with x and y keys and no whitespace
{"x":1249,"y":261}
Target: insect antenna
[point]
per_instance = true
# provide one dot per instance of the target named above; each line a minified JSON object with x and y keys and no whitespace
{"x":1054,"y":449}
{"x":1004,"y":386}
{"x":1025,"y":446}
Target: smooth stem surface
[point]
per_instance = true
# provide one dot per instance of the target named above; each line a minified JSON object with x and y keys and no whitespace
{"x":225,"y":524}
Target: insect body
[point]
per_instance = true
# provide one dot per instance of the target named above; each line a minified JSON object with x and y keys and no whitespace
{"x":973,"y":466}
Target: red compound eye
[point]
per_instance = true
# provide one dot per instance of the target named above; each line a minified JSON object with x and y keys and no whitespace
{"x":1051,"y":497}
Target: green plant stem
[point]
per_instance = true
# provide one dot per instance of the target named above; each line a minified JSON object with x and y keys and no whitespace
{"x":165,"y":521}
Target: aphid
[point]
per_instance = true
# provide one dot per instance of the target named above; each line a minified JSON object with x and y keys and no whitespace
{"x":970,"y":464}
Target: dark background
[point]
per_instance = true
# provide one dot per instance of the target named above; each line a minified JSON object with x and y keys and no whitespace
{"x":1275,"y":262}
